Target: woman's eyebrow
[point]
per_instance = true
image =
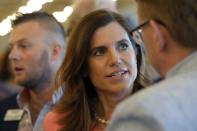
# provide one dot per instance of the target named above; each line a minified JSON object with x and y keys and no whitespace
{"x":98,"y":48}
{"x":122,"y":41}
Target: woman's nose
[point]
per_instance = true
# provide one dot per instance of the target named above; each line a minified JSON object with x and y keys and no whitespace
{"x":115,"y":59}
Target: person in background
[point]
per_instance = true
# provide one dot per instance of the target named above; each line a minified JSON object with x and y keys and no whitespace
{"x":36,"y":52}
{"x":7,"y":85}
{"x":169,"y":31}
{"x":99,"y":70}
{"x":83,"y":7}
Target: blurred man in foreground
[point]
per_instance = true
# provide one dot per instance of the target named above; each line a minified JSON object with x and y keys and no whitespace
{"x":169,"y":31}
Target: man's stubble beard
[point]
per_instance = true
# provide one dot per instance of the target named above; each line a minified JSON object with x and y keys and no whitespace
{"x":38,"y":80}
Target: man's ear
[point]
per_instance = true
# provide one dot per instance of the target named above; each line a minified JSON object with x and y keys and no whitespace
{"x":159,"y":35}
{"x":55,"y":51}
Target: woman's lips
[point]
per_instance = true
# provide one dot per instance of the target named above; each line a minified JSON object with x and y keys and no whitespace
{"x":118,"y":73}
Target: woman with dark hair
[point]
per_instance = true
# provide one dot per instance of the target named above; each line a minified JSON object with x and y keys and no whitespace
{"x":98,"y":71}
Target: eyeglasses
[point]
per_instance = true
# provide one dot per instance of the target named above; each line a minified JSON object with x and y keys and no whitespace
{"x":136,"y":33}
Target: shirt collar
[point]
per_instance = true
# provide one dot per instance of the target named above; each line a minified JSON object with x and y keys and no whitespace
{"x":188,"y":64}
{"x":23,"y":98}
{"x":57,"y":95}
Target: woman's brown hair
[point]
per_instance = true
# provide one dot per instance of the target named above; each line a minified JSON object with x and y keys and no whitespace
{"x":80,"y":101}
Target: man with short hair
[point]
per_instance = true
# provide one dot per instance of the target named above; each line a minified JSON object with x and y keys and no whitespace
{"x":36,"y":52}
{"x":169,"y":31}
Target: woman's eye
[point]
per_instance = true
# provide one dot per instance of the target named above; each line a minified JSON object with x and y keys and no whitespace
{"x":98,"y":52}
{"x":123,"y":46}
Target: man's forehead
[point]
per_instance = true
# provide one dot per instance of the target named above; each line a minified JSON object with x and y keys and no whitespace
{"x":25,"y":29}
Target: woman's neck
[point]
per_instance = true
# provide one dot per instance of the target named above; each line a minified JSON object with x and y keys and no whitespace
{"x":109,"y":103}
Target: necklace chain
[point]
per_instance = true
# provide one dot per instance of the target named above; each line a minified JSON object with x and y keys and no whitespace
{"x":101,"y":120}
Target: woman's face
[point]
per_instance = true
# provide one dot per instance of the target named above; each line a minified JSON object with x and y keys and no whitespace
{"x":112,"y":62}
